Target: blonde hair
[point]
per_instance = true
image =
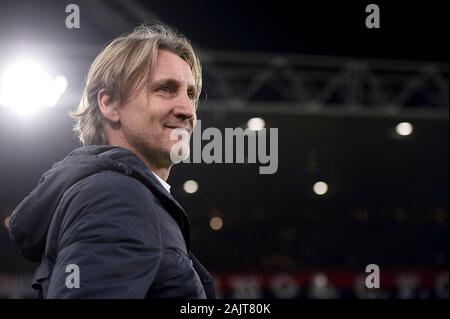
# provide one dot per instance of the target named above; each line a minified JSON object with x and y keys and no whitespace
{"x":120,"y":67}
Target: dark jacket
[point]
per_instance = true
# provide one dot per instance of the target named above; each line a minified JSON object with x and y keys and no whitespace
{"x":103,"y":210}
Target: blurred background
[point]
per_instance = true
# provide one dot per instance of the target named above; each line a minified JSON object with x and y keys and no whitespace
{"x":363,"y":129}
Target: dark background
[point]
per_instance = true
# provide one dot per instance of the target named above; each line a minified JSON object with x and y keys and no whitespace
{"x":388,"y":196}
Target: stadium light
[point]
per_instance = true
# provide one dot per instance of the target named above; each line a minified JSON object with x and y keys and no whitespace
{"x":216,"y":223}
{"x":256,"y":124}
{"x":404,"y":129}
{"x":25,"y":87}
{"x":190,"y":186}
{"x":320,"y":188}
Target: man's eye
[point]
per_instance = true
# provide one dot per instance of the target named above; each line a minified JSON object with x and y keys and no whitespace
{"x":164,"y":88}
{"x":191,"y":95}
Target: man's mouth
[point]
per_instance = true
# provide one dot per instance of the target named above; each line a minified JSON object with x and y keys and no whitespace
{"x":180,"y":128}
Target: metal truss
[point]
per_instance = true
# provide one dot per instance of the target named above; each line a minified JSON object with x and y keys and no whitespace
{"x":250,"y":82}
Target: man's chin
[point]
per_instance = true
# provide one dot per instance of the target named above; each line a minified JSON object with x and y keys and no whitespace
{"x":179,"y":152}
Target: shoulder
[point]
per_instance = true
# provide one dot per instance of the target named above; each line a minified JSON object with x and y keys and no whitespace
{"x":107,"y":184}
{"x":109,"y":195}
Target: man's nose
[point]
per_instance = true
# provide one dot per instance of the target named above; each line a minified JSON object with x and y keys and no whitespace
{"x":184,"y":107}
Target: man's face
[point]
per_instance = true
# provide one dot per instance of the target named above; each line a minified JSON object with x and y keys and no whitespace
{"x":148,"y":118}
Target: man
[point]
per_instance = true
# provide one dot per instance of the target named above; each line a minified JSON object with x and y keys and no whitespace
{"x":102,"y":222}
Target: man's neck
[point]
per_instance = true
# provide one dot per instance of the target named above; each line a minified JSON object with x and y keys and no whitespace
{"x":162,"y":172}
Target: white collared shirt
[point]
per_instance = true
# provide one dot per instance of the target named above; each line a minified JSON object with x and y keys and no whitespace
{"x":163,"y":183}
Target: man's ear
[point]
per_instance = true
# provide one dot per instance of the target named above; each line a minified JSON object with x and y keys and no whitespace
{"x":108,"y":108}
